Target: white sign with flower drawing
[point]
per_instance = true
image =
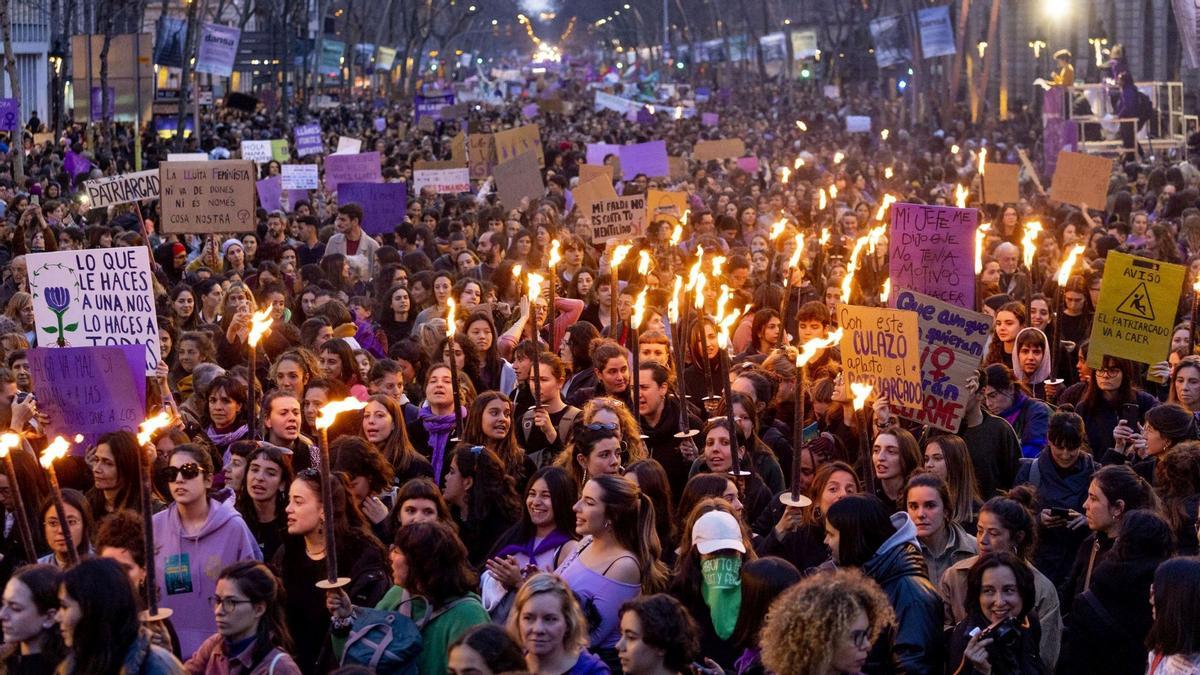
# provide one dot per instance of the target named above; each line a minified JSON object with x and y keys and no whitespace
{"x":95,"y":297}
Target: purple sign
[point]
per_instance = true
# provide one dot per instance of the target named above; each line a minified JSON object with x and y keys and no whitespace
{"x":648,"y":158}
{"x":380,"y":124}
{"x":308,"y":140}
{"x":748,"y":164}
{"x":383,"y":204}
{"x":709,"y":119}
{"x":97,"y":104}
{"x":596,"y":152}
{"x":431,"y":106}
{"x":270,"y":192}
{"x":359,"y":168}
{"x":529,"y":110}
{"x":10,"y":114}
{"x":932,"y":251}
{"x":90,"y":390}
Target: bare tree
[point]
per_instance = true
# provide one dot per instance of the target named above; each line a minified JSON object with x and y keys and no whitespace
{"x":10,"y":68}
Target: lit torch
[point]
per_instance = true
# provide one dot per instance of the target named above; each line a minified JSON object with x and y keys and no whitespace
{"x":325,"y":418}
{"x":260,"y":323}
{"x":861,"y":392}
{"x":56,"y":450}
{"x":960,"y":195}
{"x":1064,"y":275}
{"x":980,"y":235}
{"x":614,"y":263}
{"x":807,"y":351}
{"x":9,"y":442}
{"x":451,"y":329}
{"x":552,"y":306}
{"x":146,"y":452}
{"x":535,"y":291}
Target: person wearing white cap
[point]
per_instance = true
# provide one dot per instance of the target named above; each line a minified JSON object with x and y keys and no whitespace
{"x":708,"y":575}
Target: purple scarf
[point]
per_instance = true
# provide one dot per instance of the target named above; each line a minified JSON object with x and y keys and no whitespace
{"x":439,"y":428}
{"x":551,"y":542}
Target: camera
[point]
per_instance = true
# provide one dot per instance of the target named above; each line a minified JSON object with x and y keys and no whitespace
{"x":1003,"y":633}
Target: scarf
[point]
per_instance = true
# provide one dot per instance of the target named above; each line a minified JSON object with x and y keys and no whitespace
{"x":439,"y":428}
{"x":721,"y":588}
{"x":551,"y":542}
{"x":224,"y":440}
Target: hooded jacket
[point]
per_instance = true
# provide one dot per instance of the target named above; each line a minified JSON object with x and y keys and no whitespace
{"x":914,"y":644}
{"x":187,"y":566}
{"x":1044,"y":369}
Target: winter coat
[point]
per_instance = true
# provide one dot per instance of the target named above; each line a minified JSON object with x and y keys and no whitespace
{"x":1056,"y":546}
{"x":142,"y":658}
{"x":1114,"y":613}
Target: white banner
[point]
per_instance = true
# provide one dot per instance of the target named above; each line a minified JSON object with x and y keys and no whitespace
{"x":299,"y":177}
{"x":348,"y":146}
{"x":444,"y":181}
{"x":123,"y":189}
{"x":609,"y":102}
{"x":258,"y":152}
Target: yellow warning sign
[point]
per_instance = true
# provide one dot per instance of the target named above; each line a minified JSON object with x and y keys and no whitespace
{"x":1136,"y":310}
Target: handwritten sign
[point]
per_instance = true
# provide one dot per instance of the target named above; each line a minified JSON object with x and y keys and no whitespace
{"x":383,"y":204}
{"x":95,"y":297}
{"x":881,"y":347}
{"x":443,"y":181}
{"x":513,"y":142}
{"x":1081,"y":179}
{"x":207,"y":196}
{"x":621,"y":218}
{"x":519,"y":178}
{"x":89,"y":390}
{"x":360,"y":168}
{"x":668,"y":206}
{"x":481,"y":155}
{"x":932,"y":251}
{"x":258,"y":152}
{"x":953,"y":340}
{"x":1136,"y":310}
{"x":308,"y":140}
{"x":299,"y":176}
{"x":122,"y":189}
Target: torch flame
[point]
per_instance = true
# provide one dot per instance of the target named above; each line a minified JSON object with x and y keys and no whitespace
{"x":824,"y":236}
{"x":700,"y":282}
{"x":852,"y":267}
{"x":821,"y":203}
{"x":838,"y":157}
{"x":799,"y":251}
{"x":777,"y":229}
{"x":57,"y":450}
{"x":1196,"y":286}
{"x":862,"y":391}
{"x":801,"y":125}
{"x":723,"y":327}
{"x":516,"y":271}
{"x":798,"y":163}
{"x":694,"y":273}
{"x":8,"y":441}
{"x":535,"y":286}
{"x":718,"y":262}
{"x":260,"y":323}
{"x":619,"y":253}
{"x":555,"y":256}
{"x":151,"y":425}
{"x":673,"y":306}
{"x":883,"y":135}
{"x":960,"y":195}
{"x":722,"y":299}
{"x":982,"y":161}
{"x":873,"y":237}
{"x":809,"y":349}
{"x":677,"y":233}
{"x":888,"y":173}
{"x":888,"y":200}
{"x":450,"y":307}
{"x":686,"y":214}
{"x":639,"y":308}
{"x":980,"y":235}
{"x":1029,"y":241}
{"x":833,"y":192}
{"x":330,"y":411}
{"x":886,"y":290}
{"x":785,"y":173}
{"x":1064,"y":272}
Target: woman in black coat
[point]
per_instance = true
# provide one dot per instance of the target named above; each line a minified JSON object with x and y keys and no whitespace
{"x":1000,"y":635}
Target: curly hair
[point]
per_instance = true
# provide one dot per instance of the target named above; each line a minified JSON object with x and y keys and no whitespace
{"x":807,"y":622}
{"x":667,"y":625}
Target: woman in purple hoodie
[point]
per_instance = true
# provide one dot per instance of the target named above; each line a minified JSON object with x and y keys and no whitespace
{"x":196,"y":537}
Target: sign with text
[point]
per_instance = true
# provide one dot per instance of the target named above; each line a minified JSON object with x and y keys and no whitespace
{"x":299,"y":176}
{"x":519,"y":178}
{"x":204,"y":197}
{"x":622,"y":218}
{"x":668,"y":206}
{"x":481,"y":155}
{"x":95,"y":297}
{"x":258,"y":152}
{"x":431,"y":106}
{"x":1136,"y":310}
{"x":308,"y":140}
{"x":348,"y":146}
{"x":383,"y":204}
{"x":1081,"y":179}
{"x":122,"y":189}
{"x":952,"y":344}
{"x":447,"y":181}
{"x":881,"y":347}
{"x":89,"y":390}
{"x":1001,"y":183}
{"x":360,"y":168}
{"x":932,"y":251}
{"x":513,"y":142}
{"x":218,"y":49}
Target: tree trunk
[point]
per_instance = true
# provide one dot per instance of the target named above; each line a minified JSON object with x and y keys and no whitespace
{"x":188,"y":44}
{"x":17,"y":147}
{"x":105,"y":97}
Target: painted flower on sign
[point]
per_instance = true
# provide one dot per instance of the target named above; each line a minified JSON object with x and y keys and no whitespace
{"x":58,"y":299}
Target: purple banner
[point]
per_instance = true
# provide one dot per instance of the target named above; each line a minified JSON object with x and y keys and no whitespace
{"x":431,"y":106}
{"x":308,"y":140}
{"x":10,"y":114}
{"x":90,"y":390}
{"x":359,"y":168}
{"x":648,"y":158}
{"x":383,"y":204}
{"x":932,"y":251}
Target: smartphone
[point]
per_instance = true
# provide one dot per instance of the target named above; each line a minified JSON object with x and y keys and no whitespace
{"x":1131,"y":414}
{"x":35,"y":200}
{"x":1058,"y":512}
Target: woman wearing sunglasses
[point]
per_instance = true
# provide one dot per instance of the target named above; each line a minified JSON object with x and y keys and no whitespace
{"x":195,"y":537}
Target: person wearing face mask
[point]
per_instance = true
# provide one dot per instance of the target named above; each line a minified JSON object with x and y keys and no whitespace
{"x":1000,"y":635}
{"x":943,"y":541}
{"x":33,"y":644}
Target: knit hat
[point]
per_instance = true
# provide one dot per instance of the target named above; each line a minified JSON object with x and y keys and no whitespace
{"x":228,"y":245}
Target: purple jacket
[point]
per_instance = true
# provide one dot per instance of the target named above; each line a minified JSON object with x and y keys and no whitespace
{"x":589,"y":664}
{"x":187,"y":567}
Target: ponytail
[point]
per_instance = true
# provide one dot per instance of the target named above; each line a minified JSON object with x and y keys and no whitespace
{"x":1118,"y":482}
{"x":654,"y":572}
{"x":631,"y":513}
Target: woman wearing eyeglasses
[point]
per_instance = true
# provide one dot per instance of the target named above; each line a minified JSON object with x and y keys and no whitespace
{"x":79,"y":524}
{"x":1110,"y":388}
{"x":252,"y":636}
{"x":195,"y":536}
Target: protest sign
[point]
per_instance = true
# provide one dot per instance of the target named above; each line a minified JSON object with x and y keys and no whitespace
{"x":596,"y":152}
{"x":589,"y":171}
{"x":270,"y":193}
{"x":218,"y":49}
{"x":645,"y":158}
{"x":932,"y":251}
{"x":1001,"y":183}
{"x":858,"y":124}
{"x":383,"y":204}
{"x":881,"y":347}
{"x":622,"y":218}
{"x":445,"y":180}
{"x":668,"y":206}
{"x":710,"y":119}
{"x":280,"y":151}
{"x":10,"y":114}
{"x":598,"y":189}
{"x":518,"y":178}
{"x":348,"y":146}
{"x":456,"y":111}
{"x":308,"y":140}
{"x":481,"y":155}
{"x":605,"y":101}
{"x":95,"y":297}
{"x":937,"y":33}
{"x":1081,"y":179}
{"x":214,"y":196}
{"x":299,"y":176}
{"x":258,"y":152}
{"x":430,"y":106}
{"x":89,"y":390}
{"x":952,"y":342}
{"x":1136,"y":309}
{"x":361,"y":168}
{"x":42,"y":139}
{"x":513,"y":142}
{"x":458,"y":149}
{"x":678,"y":168}
{"x":748,"y":164}
{"x":729,"y":148}
{"x":122,"y":189}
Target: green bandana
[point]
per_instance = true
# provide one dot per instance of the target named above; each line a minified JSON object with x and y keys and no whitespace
{"x":722,"y":591}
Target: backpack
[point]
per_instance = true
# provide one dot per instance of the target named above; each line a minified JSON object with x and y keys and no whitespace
{"x":565,"y":426}
{"x":389,"y":641}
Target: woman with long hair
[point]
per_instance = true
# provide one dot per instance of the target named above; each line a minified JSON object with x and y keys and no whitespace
{"x":80,"y":525}
{"x":441,"y":285}
{"x":542,"y":539}
{"x":1174,"y":638}
{"x":293,"y":370}
{"x":262,"y":497}
{"x":1000,"y":593}
{"x":1177,"y":482}
{"x":182,"y":303}
{"x":115,"y":474}
{"x":757,"y":452}
{"x":595,"y":450}
{"x":98,"y":616}
{"x":947,"y":457}
{"x":33,"y":644}
{"x":1109,"y":389}
{"x":489,"y":423}
{"x":703,"y":371}
{"x":395,"y":313}
{"x":482,"y":498}
{"x":383,"y":425}
{"x":1010,"y":319}
{"x":251,"y":630}
{"x":717,"y":457}
{"x":611,"y":412}
{"x":651,"y":478}
{"x":20,"y":310}
{"x":192,"y":349}
{"x":943,"y":541}
{"x":799,"y":534}
{"x":494,"y":372}
{"x":618,"y":557}
{"x":1165,"y":427}
{"x":225,"y":418}
{"x":895,"y":455}
{"x":436,"y":420}
{"x":548,"y":623}
{"x":370,"y":478}
{"x":658,"y":637}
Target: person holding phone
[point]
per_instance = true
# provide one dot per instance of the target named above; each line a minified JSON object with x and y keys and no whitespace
{"x":1110,"y":396}
{"x":1140,"y":446}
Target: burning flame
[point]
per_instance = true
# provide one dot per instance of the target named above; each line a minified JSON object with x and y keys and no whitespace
{"x":700,"y":282}
{"x":801,"y":125}
{"x":954,"y":149}
{"x":673,"y":306}
{"x":785,"y":173}
{"x":618,"y":255}
{"x":873,"y":237}
{"x":722,"y":300}
{"x":777,"y":229}
{"x":677,"y":233}
{"x":960,"y":195}
{"x":1064,"y":271}
{"x":1029,"y":241}
{"x":888,"y":173}
{"x":555,"y":256}
{"x":980,"y":235}
{"x":8,"y":441}
{"x":982,"y":161}
{"x":883,"y":135}
{"x":886,"y":290}
{"x":718,"y":262}
{"x":795,"y":259}
{"x":824,"y":236}
{"x":260,"y":323}
{"x":694,"y":274}
{"x":809,"y":349}
{"x":888,"y":200}
{"x":516,"y":271}
{"x":724,"y":325}
{"x":331,"y":410}
{"x":686,"y":214}
{"x":643,"y":266}
{"x":838,"y":157}
{"x":822,"y":202}
{"x":639,"y":309}
{"x":833,"y":192}
{"x":57,"y":450}
{"x":450,"y":308}
{"x":867,"y":241}
{"x":535,"y":286}
{"x":861,"y":391}
{"x":151,"y":425}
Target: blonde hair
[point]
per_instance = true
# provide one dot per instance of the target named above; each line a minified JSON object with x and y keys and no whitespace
{"x":575,"y":638}
{"x":631,"y":434}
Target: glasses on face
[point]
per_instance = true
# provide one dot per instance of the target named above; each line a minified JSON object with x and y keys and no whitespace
{"x":227,"y":605}
{"x":188,"y":471}
{"x":1108,"y":371}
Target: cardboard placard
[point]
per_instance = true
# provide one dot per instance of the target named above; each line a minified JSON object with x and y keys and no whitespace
{"x":511,"y":143}
{"x":383,"y":204}
{"x":668,"y":206}
{"x":187,"y":157}
{"x":348,"y":146}
{"x":953,"y":341}
{"x":931,"y":250}
{"x":122,"y":189}
{"x":881,"y":347}
{"x":444,"y":181}
{"x":589,"y":171}
{"x":300,"y":176}
{"x":458,"y":149}
{"x":361,"y":168}
{"x":95,"y":297}
{"x":622,"y":218}
{"x":89,"y":390}
{"x":1001,"y":183}
{"x":204,"y":197}
{"x":481,"y":155}
{"x":1136,"y":310}
{"x":519,"y":178}
{"x":729,"y":148}
{"x":1081,"y":179}
{"x":258,"y":152}
{"x":598,"y":189}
